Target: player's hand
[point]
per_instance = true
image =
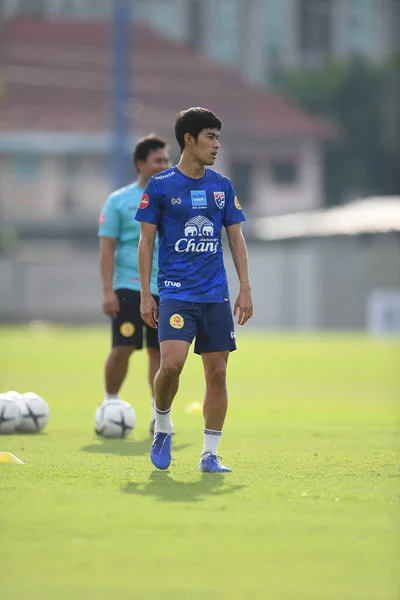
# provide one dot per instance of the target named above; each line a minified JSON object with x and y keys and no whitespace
{"x":110,"y":304}
{"x":244,"y":305}
{"x":149,"y":310}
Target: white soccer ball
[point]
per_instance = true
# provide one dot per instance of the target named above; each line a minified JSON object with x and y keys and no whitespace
{"x":17,"y":398}
{"x":35,"y":413}
{"x":114,"y":419}
{"x":9,"y":415}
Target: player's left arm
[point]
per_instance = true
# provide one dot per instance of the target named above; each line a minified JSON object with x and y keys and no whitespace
{"x":237,"y":245}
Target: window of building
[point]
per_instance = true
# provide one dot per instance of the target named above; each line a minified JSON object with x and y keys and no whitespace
{"x":68,"y":203}
{"x":284,"y":172}
{"x":72,"y":165}
{"x":274,"y":27}
{"x":195,"y":24}
{"x":241,"y":174}
{"x":32,"y":8}
{"x":359,"y":26}
{"x":223,"y":43}
{"x":56,"y":9}
{"x":103,"y":167}
{"x":315,"y":30}
{"x":87,"y":10}
{"x":160,"y":14}
{"x":274,"y":19}
{"x":26,"y":166}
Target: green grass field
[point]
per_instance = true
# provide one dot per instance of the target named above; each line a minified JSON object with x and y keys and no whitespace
{"x":310,"y":512}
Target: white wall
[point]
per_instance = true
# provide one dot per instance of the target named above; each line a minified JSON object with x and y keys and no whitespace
{"x":306,"y":194}
{"x":40,"y":198}
{"x":307,"y":285}
{"x":30,"y":197}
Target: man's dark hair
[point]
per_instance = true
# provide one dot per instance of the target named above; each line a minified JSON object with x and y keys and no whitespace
{"x":192,"y":121}
{"x":146,"y":144}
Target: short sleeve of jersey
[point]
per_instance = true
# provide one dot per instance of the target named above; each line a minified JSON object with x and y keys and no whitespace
{"x":233,"y":210}
{"x":109,"y":221}
{"x":149,"y":209}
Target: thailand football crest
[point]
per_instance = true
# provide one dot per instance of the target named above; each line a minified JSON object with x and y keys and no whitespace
{"x":219,"y":198}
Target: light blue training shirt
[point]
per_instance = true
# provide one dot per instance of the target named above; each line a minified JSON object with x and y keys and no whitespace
{"x":117,"y":220}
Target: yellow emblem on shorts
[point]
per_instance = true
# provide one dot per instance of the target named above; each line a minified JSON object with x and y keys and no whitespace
{"x":127,"y":329}
{"x":176,"y":321}
{"x":237,"y":203}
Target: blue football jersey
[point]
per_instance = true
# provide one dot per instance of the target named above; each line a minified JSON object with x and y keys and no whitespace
{"x":189,"y":214}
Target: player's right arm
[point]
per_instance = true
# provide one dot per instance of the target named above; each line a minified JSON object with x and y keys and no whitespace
{"x":110,"y":299}
{"x":148,"y":306}
{"x":108,"y":233}
{"x":149,"y":214}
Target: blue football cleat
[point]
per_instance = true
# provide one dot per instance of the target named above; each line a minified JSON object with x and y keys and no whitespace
{"x":209,"y":463}
{"x":161,"y":450}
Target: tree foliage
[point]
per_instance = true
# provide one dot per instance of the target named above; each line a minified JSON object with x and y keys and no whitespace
{"x":363,"y":100}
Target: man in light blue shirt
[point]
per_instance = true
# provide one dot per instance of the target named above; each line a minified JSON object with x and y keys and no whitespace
{"x":119,"y":234}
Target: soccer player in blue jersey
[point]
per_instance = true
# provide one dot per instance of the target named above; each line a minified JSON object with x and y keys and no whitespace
{"x":119,"y":236}
{"x":188,"y":205}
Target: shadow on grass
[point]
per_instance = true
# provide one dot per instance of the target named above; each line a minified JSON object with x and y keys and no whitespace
{"x":164,"y":488}
{"x":124,"y":447}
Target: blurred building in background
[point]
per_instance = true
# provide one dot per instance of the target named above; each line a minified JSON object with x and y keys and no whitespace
{"x":56,"y":108}
{"x":259,"y":38}
{"x":56,"y":131}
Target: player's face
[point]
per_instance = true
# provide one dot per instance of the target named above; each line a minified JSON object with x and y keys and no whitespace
{"x":157,"y":161}
{"x":206,"y":148}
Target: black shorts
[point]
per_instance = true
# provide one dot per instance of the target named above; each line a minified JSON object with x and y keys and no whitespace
{"x":128,"y":328}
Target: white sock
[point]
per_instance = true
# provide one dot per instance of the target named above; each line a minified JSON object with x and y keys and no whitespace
{"x":153,"y":409}
{"x":163,"y":421}
{"x":111,"y":396}
{"x":211,"y":441}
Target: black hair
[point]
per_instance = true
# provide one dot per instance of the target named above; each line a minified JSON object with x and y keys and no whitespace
{"x":147,"y":144}
{"x":192,"y":121}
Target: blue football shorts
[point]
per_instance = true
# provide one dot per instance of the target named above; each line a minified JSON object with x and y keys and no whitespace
{"x":210,"y":323}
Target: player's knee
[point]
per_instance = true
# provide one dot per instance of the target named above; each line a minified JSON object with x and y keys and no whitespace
{"x":121,"y":353}
{"x":217,"y":374}
{"x":171,"y":369}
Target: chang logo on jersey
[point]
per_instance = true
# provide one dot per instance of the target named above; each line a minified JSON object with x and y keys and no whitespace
{"x":199,"y":236}
{"x":199,"y":226}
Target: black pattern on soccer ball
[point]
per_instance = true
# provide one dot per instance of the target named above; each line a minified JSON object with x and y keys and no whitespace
{"x":125,"y":429}
{"x":35,"y":418}
{"x":3,"y":418}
